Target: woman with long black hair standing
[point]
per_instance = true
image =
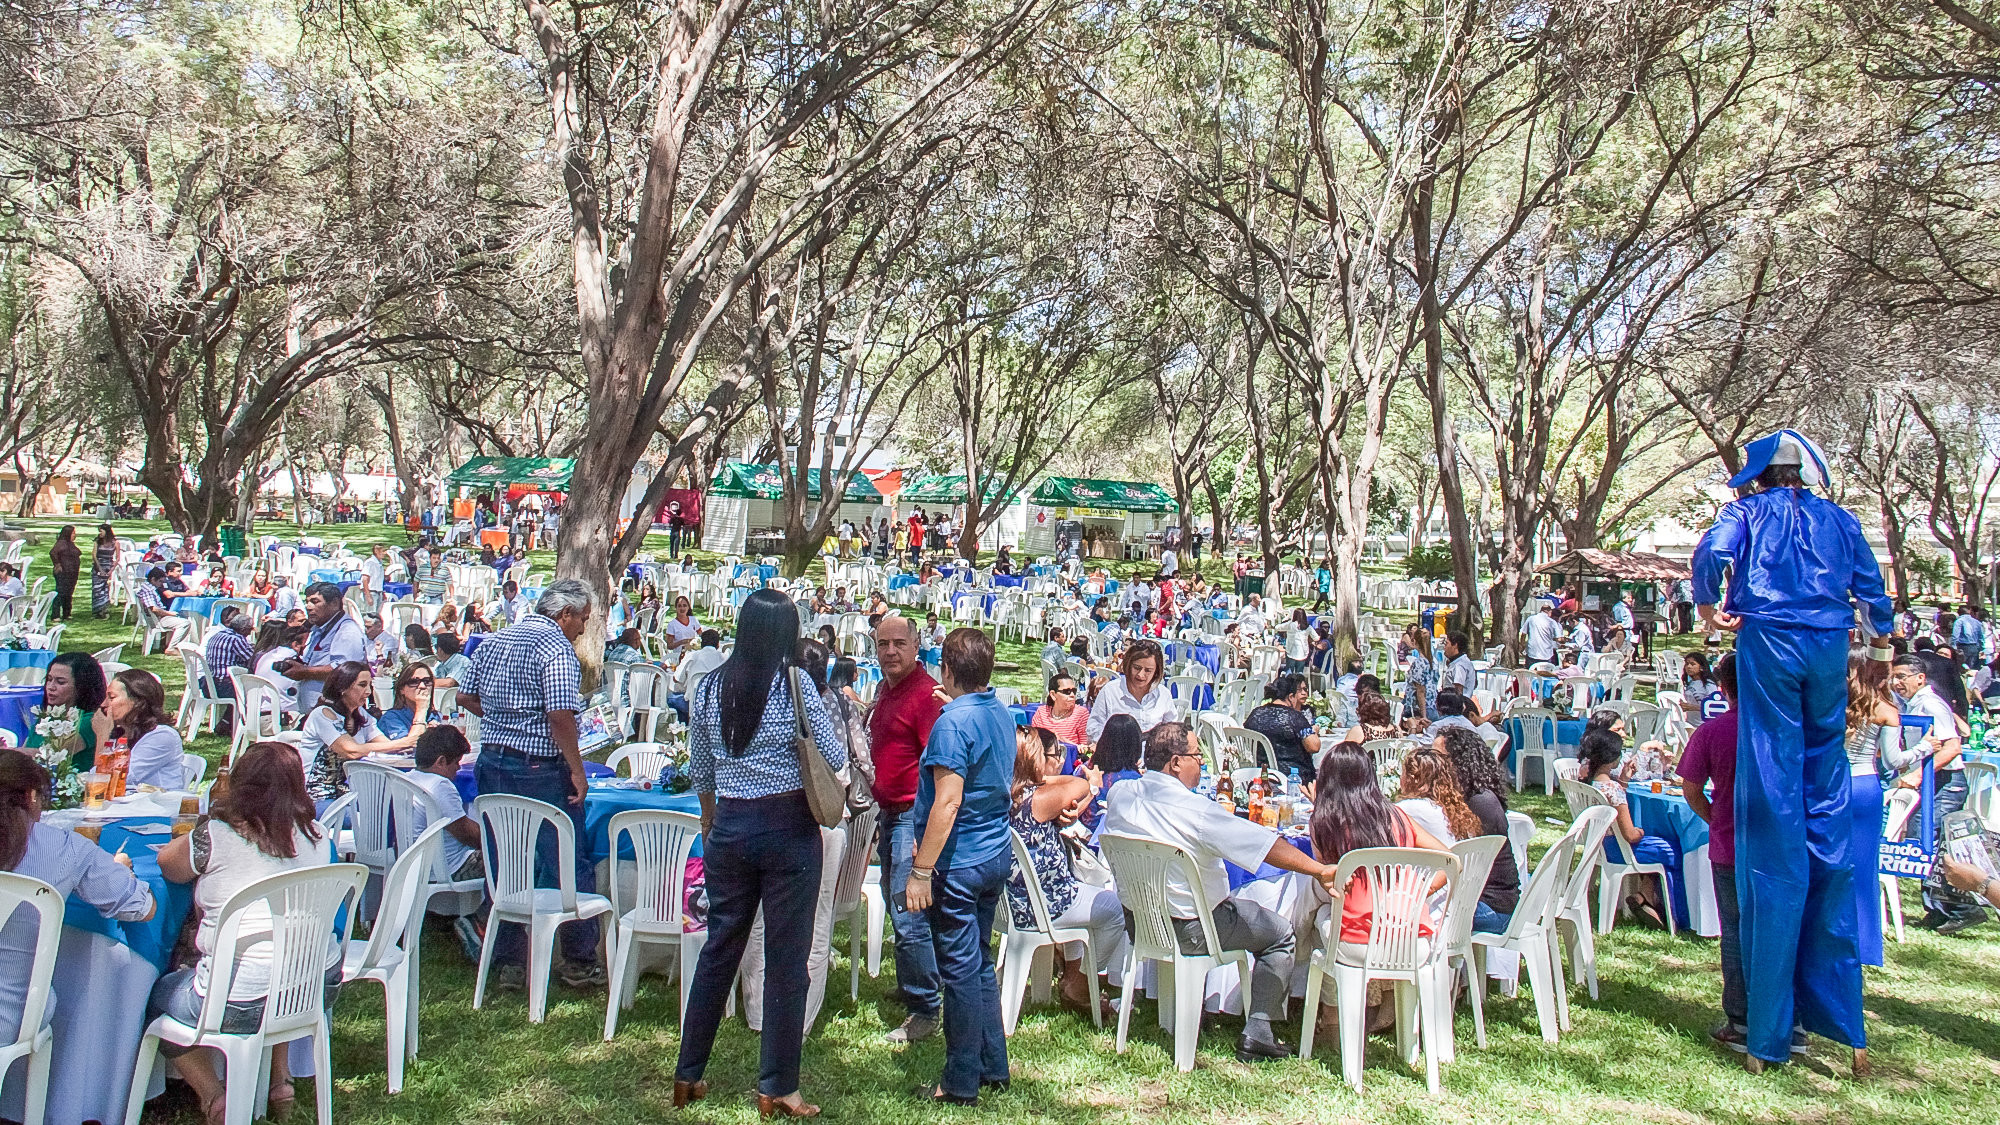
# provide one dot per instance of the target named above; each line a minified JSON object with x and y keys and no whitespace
{"x":761,"y":845}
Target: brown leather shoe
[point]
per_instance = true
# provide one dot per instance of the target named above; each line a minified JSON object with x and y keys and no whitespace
{"x":768,"y":1106}
{"x":685,"y":1092}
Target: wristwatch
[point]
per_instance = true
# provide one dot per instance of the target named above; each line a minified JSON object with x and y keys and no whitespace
{"x":1980,"y":890}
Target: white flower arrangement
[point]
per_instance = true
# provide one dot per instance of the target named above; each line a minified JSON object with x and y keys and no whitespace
{"x":56,"y":724}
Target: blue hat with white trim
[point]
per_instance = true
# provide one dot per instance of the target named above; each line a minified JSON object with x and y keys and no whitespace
{"x":1786,"y":447}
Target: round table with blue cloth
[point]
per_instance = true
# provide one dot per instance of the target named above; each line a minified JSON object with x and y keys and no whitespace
{"x":1009,"y":580}
{"x":399,"y":589}
{"x":327,"y":574}
{"x":1668,"y":816}
{"x":986,"y":600}
{"x":901,"y":581}
{"x":104,"y":973}
{"x":1555,"y":732}
{"x":189,"y":605}
{"x":602,"y":803}
{"x":1024,"y":713}
{"x":17,"y":709}
{"x":1208,"y":656}
{"x":473,"y":642}
{"x":26,"y":657}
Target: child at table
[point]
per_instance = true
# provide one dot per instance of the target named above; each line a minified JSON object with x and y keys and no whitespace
{"x":66,"y":861}
{"x":439,"y":753}
{"x":1597,"y":761}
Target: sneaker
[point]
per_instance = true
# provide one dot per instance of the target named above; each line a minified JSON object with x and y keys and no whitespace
{"x":582,"y":974}
{"x":469,"y":939}
{"x":913,"y":1029}
{"x":508,"y":978}
{"x":1959,"y":922}
{"x":1726,"y":1034}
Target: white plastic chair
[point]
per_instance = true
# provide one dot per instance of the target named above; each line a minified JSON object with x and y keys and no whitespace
{"x":1534,"y":744}
{"x":1529,"y":935}
{"x":1475,"y":858}
{"x":194,"y":767}
{"x":1142,"y":868}
{"x":388,"y":956}
{"x":1573,"y":926}
{"x":34,"y":1041}
{"x":661,"y":841}
{"x":1400,"y":880}
{"x":302,"y":906}
{"x":1520,"y":833}
{"x":1619,"y":864}
{"x":642,"y":759}
{"x":1019,"y":948}
{"x":199,"y":700}
{"x":511,"y":826}
{"x":857,"y":899}
{"x":260,"y":716}
{"x":1901,"y":805}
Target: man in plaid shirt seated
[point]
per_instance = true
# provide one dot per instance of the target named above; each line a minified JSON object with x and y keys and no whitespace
{"x":524,"y":683}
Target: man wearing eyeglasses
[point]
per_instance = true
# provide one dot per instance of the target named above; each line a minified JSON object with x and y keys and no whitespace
{"x":1162,"y":805}
{"x":1909,"y":679}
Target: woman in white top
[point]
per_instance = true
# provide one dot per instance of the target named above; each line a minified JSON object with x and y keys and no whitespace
{"x":1138,"y":691}
{"x":273,"y":649}
{"x":1428,"y":794}
{"x":137,"y":704}
{"x":1296,"y":636}
{"x":263,"y":827}
{"x":341,"y":729}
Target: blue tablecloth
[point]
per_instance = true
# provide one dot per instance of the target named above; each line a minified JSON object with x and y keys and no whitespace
{"x":26,"y":657}
{"x":1668,"y":817}
{"x":1208,"y":656}
{"x":1008,"y":580}
{"x":313,"y":551}
{"x":399,"y":589}
{"x":154,"y":938}
{"x":1555,"y":732}
{"x":603,"y":804}
{"x":17,"y":705}
{"x":1024,"y":713}
{"x":327,"y":574}
{"x":347,"y":584}
{"x":473,"y":642}
{"x":190,"y":605}
{"x":1204,"y":696}
{"x":985,"y":601}
{"x":901,"y":581}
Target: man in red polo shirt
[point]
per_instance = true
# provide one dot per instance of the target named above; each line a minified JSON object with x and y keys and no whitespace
{"x":899,"y":724}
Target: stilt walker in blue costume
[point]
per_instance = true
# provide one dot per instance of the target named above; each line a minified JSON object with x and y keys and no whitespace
{"x":1797,"y":564}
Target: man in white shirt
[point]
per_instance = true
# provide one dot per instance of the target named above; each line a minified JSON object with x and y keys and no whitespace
{"x":385,"y":649}
{"x":693,"y":667}
{"x":1543,"y":632}
{"x":1621,"y":614}
{"x":1910,"y":680}
{"x":1162,"y":805}
{"x":512,"y":606}
{"x":374,"y":571}
{"x":1581,"y":637}
{"x":681,"y":629}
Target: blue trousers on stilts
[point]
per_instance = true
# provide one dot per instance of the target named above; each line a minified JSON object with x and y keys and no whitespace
{"x":1795,"y":853}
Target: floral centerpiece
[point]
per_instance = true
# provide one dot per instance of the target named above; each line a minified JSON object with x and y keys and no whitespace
{"x":1389,"y":772}
{"x":56,"y":726}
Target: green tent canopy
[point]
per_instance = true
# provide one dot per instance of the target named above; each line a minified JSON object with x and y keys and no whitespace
{"x":550,"y":473}
{"x":737,"y":480}
{"x":946,"y":490}
{"x":1110,"y":495}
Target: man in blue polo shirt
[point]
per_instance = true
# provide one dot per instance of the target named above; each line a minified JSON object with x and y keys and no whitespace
{"x":961,"y":863}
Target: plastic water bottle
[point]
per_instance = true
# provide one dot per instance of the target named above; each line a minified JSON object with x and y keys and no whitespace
{"x":1206,"y":789}
{"x":1292,"y":784}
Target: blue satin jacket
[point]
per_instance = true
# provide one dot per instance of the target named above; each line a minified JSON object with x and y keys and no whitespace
{"x":1794,"y":558}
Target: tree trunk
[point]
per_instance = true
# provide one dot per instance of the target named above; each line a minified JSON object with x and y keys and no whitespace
{"x":589,"y":525}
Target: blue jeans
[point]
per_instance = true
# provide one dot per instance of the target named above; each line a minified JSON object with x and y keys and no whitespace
{"x":961,"y":917}
{"x":916,"y":961}
{"x":679,"y":703}
{"x":1486,"y":920}
{"x":1735,"y":1002}
{"x":758,"y":852}
{"x":542,"y":779}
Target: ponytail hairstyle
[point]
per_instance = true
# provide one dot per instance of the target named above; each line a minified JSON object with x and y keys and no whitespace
{"x":24,"y":785}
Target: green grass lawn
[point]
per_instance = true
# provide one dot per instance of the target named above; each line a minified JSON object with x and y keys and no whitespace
{"x":1637,"y":1054}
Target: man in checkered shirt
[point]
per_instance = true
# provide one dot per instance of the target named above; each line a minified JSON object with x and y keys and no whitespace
{"x":524,"y":683}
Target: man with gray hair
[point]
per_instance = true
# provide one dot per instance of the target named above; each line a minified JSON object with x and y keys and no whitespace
{"x":525,"y":684}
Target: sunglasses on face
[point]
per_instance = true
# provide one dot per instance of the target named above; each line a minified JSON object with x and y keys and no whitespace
{"x":1063,"y":691}
{"x":421,"y":683}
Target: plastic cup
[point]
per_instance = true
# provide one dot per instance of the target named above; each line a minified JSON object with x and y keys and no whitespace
{"x":95,"y":786}
{"x":90,"y":830}
{"x":190,"y":806}
{"x":184,"y":824}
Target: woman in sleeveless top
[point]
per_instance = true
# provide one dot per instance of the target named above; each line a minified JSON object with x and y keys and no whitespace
{"x":1872,"y":737}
